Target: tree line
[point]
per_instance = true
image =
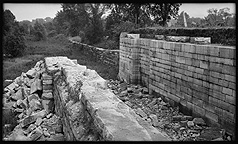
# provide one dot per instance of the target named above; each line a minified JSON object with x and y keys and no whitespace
{"x":101,"y":24}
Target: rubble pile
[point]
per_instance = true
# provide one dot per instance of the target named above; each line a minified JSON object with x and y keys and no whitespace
{"x":161,"y":115}
{"x":30,"y":97}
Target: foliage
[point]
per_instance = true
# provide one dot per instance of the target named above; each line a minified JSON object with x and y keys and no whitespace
{"x":163,"y":12}
{"x":225,"y":35}
{"x":39,"y":31}
{"x":13,"y":40}
{"x":13,"y":45}
{"x":108,"y":44}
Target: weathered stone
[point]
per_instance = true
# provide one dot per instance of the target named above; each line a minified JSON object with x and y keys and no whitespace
{"x":45,"y":76}
{"x":35,"y":134}
{"x":35,"y":104}
{"x":40,"y":114}
{"x":18,"y":95}
{"x":145,"y":90}
{"x":26,"y":91}
{"x":190,"y":118}
{"x":190,"y":123}
{"x":30,"y":128}
{"x":22,"y":103}
{"x":129,"y":90}
{"x":18,"y":110}
{"x":199,"y":121}
{"x":38,"y":121}
{"x":47,"y":87}
{"x":154,"y":119}
{"x":46,"y":133}
{"x":36,"y":85}
{"x":48,"y":105}
{"x":218,"y":139}
{"x":47,"y":96}
{"x":20,"y":116}
{"x":31,"y":73}
{"x":159,"y":37}
{"x":49,"y":115}
{"x":33,"y":96}
{"x":177,"y":118}
{"x":56,"y":137}
{"x":47,"y":82}
{"x":154,"y":101}
{"x":28,"y":120}
{"x":123,"y":93}
{"x":58,"y":128}
{"x":11,"y":86}
{"x":141,"y":113}
{"x":200,"y":40}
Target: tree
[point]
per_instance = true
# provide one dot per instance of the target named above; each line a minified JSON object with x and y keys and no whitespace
{"x":13,"y":42}
{"x":163,"y":12}
{"x":40,"y":31}
{"x":217,"y":17}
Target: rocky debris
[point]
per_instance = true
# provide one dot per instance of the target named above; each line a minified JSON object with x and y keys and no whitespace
{"x":30,"y":97}
{"x":161,"y":115}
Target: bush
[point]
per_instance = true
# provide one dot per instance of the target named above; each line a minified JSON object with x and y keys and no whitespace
{"x":108,"y":44}
{"x":224,"y":36}
{"x":13,"y":45}
{"x":52,"y":33}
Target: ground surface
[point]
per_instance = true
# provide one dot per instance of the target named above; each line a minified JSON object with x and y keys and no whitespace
{"x":37,"y":50}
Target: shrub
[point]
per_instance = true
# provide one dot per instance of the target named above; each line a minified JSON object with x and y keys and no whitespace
{"x":13,"y":45}
{"x":224,"y":36}
{"x":108,"y":44}
{"x":52,"y":33}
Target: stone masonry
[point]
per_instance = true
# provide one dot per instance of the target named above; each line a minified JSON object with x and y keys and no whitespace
{"x":198,"y":78}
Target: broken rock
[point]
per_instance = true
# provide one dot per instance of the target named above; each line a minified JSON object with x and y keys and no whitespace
{"x":35,"y":104}
{"x":31,"y":73}
{"x":199,"y":121}
{"x":141,"y":113}
{"x":154,"y":119}
{"x":35,"y":134}
{"x":18,"y":95}
{"x":33,"y":96}
{"x":47,"y":96}
{"x":190,"y":123}
{"x":48,"y":105}
{"x":36,"y":85}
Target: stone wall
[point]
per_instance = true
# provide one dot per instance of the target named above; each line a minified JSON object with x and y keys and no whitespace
{"x":198,"y":78}
{"x":104,"y":55}
{"x":90,"y":111}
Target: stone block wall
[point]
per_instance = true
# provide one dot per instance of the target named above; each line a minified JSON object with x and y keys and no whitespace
{"x":90,"y":111}
{"x":106,"y":56}
{"x":198,"y":78}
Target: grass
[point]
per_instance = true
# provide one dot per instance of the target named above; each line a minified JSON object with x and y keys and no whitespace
{"x":37,"y":50}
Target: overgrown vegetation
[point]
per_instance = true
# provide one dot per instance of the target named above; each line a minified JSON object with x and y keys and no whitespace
{"x":224,"y":36}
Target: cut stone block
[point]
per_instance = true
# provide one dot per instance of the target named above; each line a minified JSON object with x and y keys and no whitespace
{"x":45,"y":76}
{"x":11,"y":86}
{"x":141,"y":113}
{"x":48,"y":105}
{"x":31,"y":73}
{"x":199,"y":121}
{"x":38,"y":121}
{"x":47,"y":87}
{"x":47,"y":82}
{"x":36,"y":85}
{"x":201,"y":40}
{"x":35,"y":134}
{"x":18,"y":95}
{"x":33,"y":96}
{"x":28,"y":120}
{"x":35,"y":104}
{"x":47,"y":96}
{"x":154,"y":119}
{"x":159,"y":37}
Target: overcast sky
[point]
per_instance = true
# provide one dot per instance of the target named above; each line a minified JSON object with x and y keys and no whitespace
{"x":33,"y":11}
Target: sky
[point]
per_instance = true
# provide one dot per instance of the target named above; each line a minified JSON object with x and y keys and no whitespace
{"x":32,"y":11}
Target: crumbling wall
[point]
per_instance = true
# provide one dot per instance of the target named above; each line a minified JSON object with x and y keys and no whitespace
{"x":106,"y":56}
{"x":90,"y":111}
{"x":198,"y":78}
